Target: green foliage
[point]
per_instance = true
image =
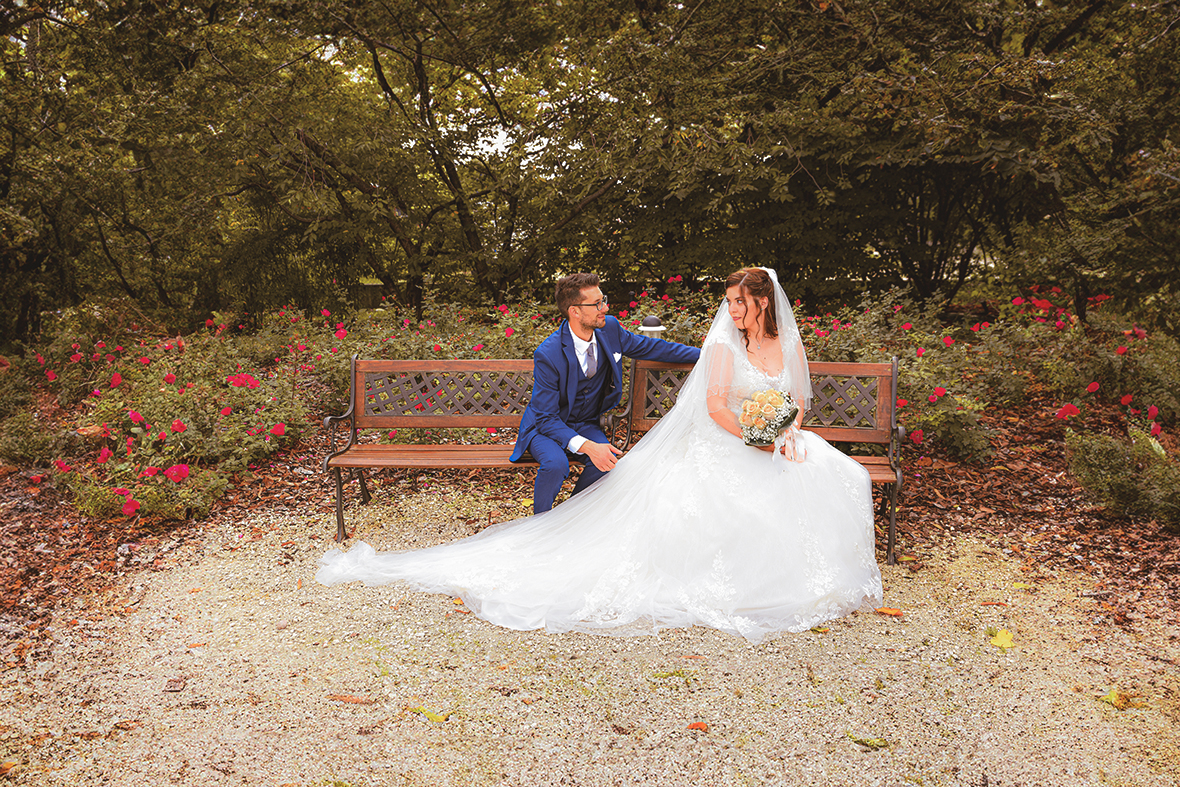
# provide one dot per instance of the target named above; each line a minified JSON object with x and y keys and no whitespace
{"x":95,"y":491}
{"x":15,"y":392}
{"x":26,"y":440}
{"x":241,"y":155}
{"x":1131,"y":478}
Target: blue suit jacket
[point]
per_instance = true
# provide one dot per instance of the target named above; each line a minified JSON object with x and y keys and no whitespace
{"x":555,"y":377}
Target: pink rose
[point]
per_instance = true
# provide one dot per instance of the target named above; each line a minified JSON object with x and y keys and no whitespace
{"x":130,"y":507}
{"x":278,"y":430}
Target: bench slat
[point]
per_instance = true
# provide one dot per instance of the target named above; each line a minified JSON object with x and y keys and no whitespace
{"x":384,"y":455}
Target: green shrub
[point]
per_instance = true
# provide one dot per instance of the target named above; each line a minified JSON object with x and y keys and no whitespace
{"x":26,"y":440}
{"x":1131,"y":478}
{"x":104,"y":491}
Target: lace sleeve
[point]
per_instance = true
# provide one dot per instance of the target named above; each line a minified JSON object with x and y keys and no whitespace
{"x":718,"y":359}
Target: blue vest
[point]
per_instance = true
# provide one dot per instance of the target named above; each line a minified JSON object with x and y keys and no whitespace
{"x":587,"y":406}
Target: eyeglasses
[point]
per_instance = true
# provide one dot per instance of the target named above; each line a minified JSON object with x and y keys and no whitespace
{"x":600,"y":304}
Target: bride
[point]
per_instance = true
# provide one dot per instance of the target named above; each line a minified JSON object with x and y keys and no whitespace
{"x":691,"y":527}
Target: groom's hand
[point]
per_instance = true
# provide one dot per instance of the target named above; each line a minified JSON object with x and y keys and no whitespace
{"x":602,"y":454}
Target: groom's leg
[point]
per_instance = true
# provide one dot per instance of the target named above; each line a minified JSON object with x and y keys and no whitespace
{"x":590,"y":473}
{"x":555,"y":466}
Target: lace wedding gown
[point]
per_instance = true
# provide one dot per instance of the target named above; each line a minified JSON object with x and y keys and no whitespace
{"x":691,"y":527}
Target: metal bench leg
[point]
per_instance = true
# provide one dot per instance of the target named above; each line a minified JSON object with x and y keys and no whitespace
{"x":340,"y":534}
{"x":365,"y":496}
{"x":890,"y":556}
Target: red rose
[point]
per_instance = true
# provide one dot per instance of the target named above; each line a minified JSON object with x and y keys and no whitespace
{"x":170,"y":378}
{"x":1092,"y":387}
{"x":130,"y":507}
{"x":178,"y":426}
{"x":177,"y":473}
{"x":278,"y":430}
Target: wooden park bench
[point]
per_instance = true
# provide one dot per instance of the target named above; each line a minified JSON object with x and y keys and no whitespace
{"x":853,"y":403}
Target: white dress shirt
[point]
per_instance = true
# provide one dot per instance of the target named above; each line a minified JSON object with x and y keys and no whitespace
{"x":581,"y":349}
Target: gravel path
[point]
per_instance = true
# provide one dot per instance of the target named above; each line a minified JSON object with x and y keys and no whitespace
{"x":231,"y":666}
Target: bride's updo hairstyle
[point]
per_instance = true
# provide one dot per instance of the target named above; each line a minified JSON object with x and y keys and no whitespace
{"x":755,"y":283}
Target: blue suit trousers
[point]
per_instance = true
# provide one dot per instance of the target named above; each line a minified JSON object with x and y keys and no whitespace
{"x":555,"y":467}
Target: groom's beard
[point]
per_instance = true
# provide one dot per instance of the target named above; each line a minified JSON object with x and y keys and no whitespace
{"x":598,"y":321}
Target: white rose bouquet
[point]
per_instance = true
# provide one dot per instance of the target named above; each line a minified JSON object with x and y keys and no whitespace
{"x":765,"y":415}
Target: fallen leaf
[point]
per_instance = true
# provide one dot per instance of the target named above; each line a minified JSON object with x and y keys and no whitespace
{"x":128,"y":724}
{"x":1121,"y":700}
{"x":871,"y":744}
{"x":435,"y":717}
{"x":197,"y":644}
{"x":906,"y":558}
{"x":820,"y":629}
{"x":350,"y":699}
{"x":993,"y":604}
{"x":1021,"y":585}
{"x":456,"y":601}
{"x":174,"y":684}
{"x":527,"y":502}
{"x":892,"y":612}
{"x":699,"y":725}
{"x":1002,"y":639}
{"x":7,"y":766}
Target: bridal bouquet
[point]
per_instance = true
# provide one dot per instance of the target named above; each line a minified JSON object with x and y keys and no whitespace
{"x":765,"y":415}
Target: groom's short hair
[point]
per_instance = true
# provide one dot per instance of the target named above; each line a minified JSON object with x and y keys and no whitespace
{"x":569,"y":290}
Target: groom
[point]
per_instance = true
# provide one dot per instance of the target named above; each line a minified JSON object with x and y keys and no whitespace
{"x":577,"y":376}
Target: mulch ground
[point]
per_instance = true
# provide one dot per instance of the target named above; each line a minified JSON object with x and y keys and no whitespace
{"x":1021,"y":499}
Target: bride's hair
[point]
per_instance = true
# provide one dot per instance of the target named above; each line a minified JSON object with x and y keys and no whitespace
{"x":756,"y":282}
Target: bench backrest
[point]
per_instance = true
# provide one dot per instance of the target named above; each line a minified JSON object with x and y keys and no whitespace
{"x":850,"y":402}
{"x":478,"y":393}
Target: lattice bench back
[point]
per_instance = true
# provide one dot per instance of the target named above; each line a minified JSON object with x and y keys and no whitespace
{"x":440,"y":393}
{"x":850,"y":402}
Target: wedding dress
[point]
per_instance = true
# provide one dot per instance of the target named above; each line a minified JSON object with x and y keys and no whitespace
{"x":691,"y":527}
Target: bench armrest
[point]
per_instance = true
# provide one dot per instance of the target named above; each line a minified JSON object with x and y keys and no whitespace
{"x":332,"y":422}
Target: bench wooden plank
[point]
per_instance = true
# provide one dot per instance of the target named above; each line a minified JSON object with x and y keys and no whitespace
{"x":385,"y":455}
